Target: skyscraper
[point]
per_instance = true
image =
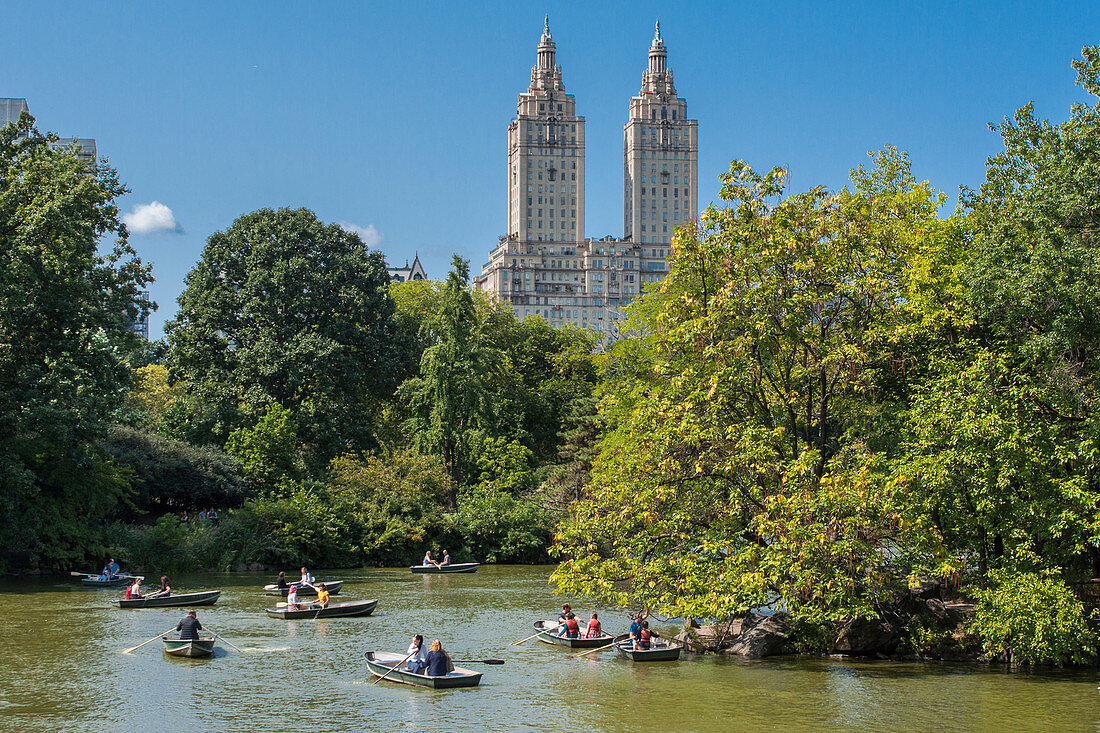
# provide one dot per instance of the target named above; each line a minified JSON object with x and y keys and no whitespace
{"x":544,"y":266}
{"x":546,"y":157}
{"x":660,"y":156}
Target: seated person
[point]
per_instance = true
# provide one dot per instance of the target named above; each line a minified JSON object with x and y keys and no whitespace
{"x":446,"y":558}
{"x":112,"y":568}
{"x":280,"y":582}
{"x":307,"y":579}
{"x":322,"y":595}
{"x":418,"y":659}
{"x":133,"y":591}
{"x":645,"y":636}
{"x":292,"y":598}
{"x":189,"y":626}
{"x":572,"y":629}
{"x":594,"y":628}
{"x":439,"y":664}
{"x":165,"y":589}
{"x":565,"y":610}
{"x":428,"y":559}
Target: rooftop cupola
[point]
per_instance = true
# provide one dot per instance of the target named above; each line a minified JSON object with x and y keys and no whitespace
{"x":546,"y":46}
{"x":658,"y":54}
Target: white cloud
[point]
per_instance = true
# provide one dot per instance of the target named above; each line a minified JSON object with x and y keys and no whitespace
{"x":370,"y":236}
{"x":151,"y":218}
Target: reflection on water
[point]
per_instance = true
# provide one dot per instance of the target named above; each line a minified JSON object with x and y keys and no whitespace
{"x":65,"y":672}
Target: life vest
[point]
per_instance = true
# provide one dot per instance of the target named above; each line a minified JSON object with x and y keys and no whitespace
{"x":572,"y":628}
{"x":643,"y":637}
{"x":593,"y":629}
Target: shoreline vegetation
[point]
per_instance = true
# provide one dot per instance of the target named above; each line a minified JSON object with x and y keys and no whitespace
{"x":881,"y":418}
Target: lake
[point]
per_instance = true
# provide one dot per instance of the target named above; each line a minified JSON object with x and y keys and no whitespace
{"x":66,"y":672}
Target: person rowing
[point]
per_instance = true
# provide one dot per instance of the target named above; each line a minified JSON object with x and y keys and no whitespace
{"x":189,"y":626}
{"x":417,"y":655}
{"x":446,"y":559}
{"x":165,"y":589}
{"x":322,"y":596}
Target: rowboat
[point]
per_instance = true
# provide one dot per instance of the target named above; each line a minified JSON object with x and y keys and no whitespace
{"x":455,"y":567}
{"x":548,"y":633}
{"x":333,"y":587}
{"x":381,"y":663}
{"x":189,"y":647}
{"x":333,"y":610}
{"x":102,"y":581}
{"x":202,"y":598}
{"x":662,"y":653}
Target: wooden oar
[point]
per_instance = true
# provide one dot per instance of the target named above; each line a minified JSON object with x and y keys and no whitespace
{"x":82,"y":575}
{"x":387,"y":674}
{"x":614,"y":641}
{"x":532,"y":636}
{"x":218,"y":636}
{"x":478,"y":661}
{"x":139,"y":646}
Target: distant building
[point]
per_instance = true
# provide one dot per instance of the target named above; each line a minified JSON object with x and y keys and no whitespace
{"x":141,"y":326}
{"x":545,"y":266}
{"x":415,"y":271}
{"x":85,"y":148}
{"x":11,"y":108}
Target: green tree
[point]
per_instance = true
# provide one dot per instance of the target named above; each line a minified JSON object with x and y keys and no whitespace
{"x":737,"y":469}
{"x":65,"y":310}
{"x":268,"y":451}
{"x":283,"y":308}
{"x":450,"y":401}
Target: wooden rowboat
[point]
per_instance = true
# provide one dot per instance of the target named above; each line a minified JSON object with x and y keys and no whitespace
{"x":455,"y":567}
{"x":380,"y":664}
{"x":549,"y":635}
{"x":101,"y":581}
{"x":189,"y":647}
{"x":333,"y":610}
{"x":202,"y":598}
{"x":333,"y":588}
{"x":662,"y":653}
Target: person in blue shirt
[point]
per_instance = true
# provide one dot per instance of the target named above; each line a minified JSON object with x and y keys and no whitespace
{"x":439,"y":664}
{"x":636,"y":626}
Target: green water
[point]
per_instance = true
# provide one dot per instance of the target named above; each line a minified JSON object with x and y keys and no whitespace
{"x":64,"y":672}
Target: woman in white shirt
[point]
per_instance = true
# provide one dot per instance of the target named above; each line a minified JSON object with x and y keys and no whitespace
{"x":417,"y":655}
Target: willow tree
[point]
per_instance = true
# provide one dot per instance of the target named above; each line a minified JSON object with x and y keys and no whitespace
{"x":739,"y":469}
{"x":450,"y":400}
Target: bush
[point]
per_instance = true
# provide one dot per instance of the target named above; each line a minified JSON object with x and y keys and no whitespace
{"x":169,"y":546}
{"x":497,"y":527}
{"x":1032,"y":617}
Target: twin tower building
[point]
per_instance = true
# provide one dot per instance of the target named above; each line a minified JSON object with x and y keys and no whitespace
{"x":545,"y":266}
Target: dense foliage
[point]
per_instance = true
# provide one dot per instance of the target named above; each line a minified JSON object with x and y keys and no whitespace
{"x":840,"y":394}
{"x":65,"y":311}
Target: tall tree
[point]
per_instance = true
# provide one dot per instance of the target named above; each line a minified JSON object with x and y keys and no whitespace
{"x":737,"y":467}
{"x":65,"y":311}
{"x":450,"y":400}
{"x":285,"y":309}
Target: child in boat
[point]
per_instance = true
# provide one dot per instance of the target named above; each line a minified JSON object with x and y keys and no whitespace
{"x":645,"y":636}
{"x":417,"y":661}
{"x":594,"y":629}
{"x":292,"y":598}
{"x":572,"y":628}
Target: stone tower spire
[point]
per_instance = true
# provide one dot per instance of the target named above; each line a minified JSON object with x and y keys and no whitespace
{"x":546,"y":157}
{"x":660,"y":154}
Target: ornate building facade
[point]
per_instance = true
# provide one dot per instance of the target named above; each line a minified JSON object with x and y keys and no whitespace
{"x":545,"y":266}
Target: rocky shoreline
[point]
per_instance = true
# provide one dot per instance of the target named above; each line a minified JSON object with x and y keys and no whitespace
{"x":918,"y":625}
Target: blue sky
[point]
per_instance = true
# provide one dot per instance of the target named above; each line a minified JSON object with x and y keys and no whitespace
{"x":393,"y":116}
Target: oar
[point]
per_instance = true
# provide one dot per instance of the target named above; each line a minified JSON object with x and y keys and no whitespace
{"x":139,"y":646}
{"x":82,"y":575}
{"x":218,"y":636}
{"x":615,"y":641}
{"x":387,"y":674}
{"x":532,"y":636}
{"x":478,"y":661}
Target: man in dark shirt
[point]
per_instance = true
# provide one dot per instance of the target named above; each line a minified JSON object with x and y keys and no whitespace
{"x":189,"y":626}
